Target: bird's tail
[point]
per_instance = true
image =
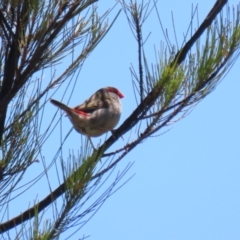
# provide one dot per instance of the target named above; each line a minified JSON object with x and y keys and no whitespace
{"x":62,"y":106}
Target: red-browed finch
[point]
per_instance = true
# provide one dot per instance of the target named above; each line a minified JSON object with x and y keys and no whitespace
{"x":98,"y":114}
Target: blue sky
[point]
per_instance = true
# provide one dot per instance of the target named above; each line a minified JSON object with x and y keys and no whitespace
{"x":186,"y":181}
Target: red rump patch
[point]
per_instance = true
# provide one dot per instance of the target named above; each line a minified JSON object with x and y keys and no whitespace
{"x":81,"y":112}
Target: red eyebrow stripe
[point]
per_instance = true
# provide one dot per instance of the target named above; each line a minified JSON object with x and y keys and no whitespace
{"x":81,"y":112}
{"x":114,"y":90}
{"x":120,"y":94}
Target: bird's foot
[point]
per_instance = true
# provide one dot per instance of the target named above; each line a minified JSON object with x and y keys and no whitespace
{"x":113,"y":134}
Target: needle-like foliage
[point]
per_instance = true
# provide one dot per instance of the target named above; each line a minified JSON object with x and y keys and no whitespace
{"x":35,"y":38}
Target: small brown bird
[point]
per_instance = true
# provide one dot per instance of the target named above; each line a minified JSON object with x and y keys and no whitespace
{"x":97,"y":115}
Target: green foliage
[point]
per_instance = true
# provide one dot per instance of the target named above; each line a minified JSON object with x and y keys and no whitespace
{"x":46,"y":32}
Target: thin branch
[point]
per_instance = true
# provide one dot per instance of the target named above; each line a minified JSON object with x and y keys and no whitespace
{"x":129,"y":123}
{"x":182,"y":53}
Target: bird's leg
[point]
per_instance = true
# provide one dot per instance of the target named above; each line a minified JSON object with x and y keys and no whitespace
{"x":90,"y":140}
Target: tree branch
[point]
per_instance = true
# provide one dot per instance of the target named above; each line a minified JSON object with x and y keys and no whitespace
{"x":130,"y":122}
{"x":181,"y":54}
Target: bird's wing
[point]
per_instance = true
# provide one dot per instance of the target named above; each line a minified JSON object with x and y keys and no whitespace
{"x":99,"y":100}
{"x":91,"y":106}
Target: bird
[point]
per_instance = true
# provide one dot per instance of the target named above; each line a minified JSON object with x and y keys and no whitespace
{"x":97,"y":115}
